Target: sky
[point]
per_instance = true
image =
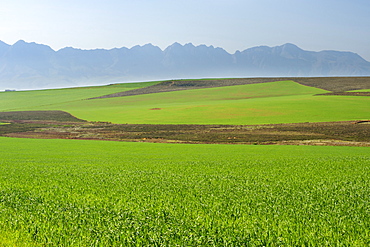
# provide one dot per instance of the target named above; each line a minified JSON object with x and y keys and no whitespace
{"x":313,"y":25}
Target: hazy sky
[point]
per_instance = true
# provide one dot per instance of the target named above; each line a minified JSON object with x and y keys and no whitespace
{"x":232,"y":24}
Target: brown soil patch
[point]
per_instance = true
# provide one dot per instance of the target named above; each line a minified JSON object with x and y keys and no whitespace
{"x":39,"y":115}
{"x":155,"y":109}
{"x":348,"y":93}
{"x":348,"y":133}
{"x":335,"y":84}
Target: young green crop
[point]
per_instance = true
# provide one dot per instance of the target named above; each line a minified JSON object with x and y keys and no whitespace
{"x":96,"y":193}
{"x":360,"y":90}
{"x":264,"y":103}
{"x":275,"y":102}
{"x":35,"y":99}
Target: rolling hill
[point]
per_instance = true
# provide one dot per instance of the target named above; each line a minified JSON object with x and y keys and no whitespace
{"x":261,"y":103}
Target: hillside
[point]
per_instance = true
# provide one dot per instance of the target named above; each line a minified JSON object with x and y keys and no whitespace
{"x":196,"y":111}
{"x":261,"y":103}
{"x":334,"y":84}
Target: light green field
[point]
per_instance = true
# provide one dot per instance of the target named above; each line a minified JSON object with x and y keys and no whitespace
{"x":283,"y":109}
{"x":96,"y":193}
{"x":361,"y":90}
{"x":275,"y":102}
{"x":19,"y":101}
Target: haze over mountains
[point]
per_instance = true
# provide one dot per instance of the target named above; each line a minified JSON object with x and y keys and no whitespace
{"x":33,"y":66}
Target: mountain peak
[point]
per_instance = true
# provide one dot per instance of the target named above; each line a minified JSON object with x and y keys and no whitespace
{"x":32,"y":45}
{"x":150,"y":45}
{"x":290,"y":45}
{"x":174,"y":46}
{"x":189,"y":45}
{"x":20,"y":42}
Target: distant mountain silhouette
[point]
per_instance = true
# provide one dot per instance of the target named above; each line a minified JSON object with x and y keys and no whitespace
{"x":30,"y":65}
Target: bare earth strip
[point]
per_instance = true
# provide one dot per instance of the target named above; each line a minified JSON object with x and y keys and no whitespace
{"x":347,"y":133}
{"x":348,"y":93}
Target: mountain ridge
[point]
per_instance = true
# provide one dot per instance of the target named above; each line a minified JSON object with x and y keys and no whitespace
{"x":33,"y":66}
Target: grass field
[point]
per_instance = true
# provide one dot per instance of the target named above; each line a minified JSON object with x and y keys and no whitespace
{"x":275,"y":102}
{"x":361,"y":90}
{"x":106,"y":193}
{"x":18,"y":101}
{"x":89,"y":193}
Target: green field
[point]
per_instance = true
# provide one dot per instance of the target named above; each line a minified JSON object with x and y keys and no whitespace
{"x":361,"y":90}
{"x":19,"y":101}
{"x":106,"y":193}
{"x":96,"y":193}
{"x":275,"y":102}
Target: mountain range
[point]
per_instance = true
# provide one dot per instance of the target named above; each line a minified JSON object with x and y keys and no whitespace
{"x":33,"y":66}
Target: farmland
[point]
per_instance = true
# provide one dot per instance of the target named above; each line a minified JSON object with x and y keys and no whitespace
{"x":86,"y":193}
{"x":61,"y":125}
{"x":304,"y":182}
{"x":262,"y":103}
{"x":12,"y":101}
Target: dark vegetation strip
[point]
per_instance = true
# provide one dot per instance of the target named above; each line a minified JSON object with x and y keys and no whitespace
{"x":30,"y":121}
{"x":61,"y":116}
{"x":348,"y":93}
{"x":334,"y":84}
{"x":349,"y":133}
